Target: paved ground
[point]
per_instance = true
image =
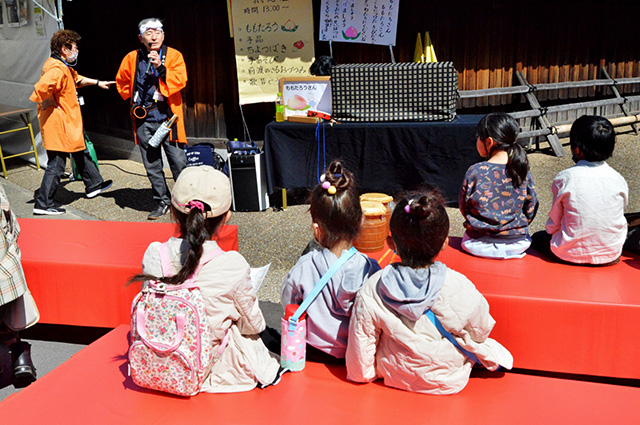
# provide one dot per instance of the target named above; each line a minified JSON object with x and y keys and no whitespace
{"x":275,"y":237}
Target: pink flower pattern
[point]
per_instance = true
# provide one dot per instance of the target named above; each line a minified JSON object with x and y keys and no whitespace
{"x":183,"y":370}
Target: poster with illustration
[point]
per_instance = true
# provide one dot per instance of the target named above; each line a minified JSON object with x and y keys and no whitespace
{"x":38,"y":21}
{"x":302,"y":95}
{"x":359,"y":21}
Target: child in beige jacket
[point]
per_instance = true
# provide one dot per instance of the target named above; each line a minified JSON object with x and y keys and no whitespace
{"x":391,"y":337}
{"x":200,"y":202}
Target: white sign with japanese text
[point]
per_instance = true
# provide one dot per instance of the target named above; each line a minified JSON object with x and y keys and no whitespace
{"x":359,"y":21}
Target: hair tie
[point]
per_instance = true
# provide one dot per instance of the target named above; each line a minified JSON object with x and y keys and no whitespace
{"x":337,"y":175}
{"x":322,"y":178}
{"x":407,"y":208}
{"x":194,"y":204}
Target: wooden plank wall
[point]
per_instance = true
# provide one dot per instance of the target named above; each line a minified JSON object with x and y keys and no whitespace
{"x":488,"y":41}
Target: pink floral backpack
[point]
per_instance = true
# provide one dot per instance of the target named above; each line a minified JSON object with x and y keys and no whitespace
{"x":171,"y":346}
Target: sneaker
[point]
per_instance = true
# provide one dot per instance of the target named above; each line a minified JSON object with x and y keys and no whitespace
{"x":49,"y":211}
{"x":103,"y":186}
{"x":276,"y":380}
{"x":160,"y":210}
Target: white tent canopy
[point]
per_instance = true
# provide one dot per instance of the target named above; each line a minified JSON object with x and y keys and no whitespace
{"x":24,"y":47}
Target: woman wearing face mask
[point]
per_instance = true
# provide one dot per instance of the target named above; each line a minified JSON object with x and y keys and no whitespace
{"x":61,"y":122}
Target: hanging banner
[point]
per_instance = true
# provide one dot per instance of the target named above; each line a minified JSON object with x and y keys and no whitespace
{"x":359,"y":21}
{"x":273,"y":39}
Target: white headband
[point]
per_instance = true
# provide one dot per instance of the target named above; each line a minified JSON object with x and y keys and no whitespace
{"x":151,"y":25}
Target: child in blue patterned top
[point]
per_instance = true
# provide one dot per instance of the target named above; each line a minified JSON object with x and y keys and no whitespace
{"x":498,"y":197}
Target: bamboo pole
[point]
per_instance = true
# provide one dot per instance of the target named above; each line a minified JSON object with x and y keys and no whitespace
{"x":498,"y":91}
{"x":564,"y":129}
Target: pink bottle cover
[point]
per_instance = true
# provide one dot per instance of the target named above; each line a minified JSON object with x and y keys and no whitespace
{"x":293,"y":347}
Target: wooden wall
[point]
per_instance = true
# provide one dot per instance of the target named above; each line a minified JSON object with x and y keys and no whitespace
{"x":549,"y":41}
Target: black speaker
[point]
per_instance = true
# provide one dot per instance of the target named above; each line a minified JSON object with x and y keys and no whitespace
{"x":248,"y":176}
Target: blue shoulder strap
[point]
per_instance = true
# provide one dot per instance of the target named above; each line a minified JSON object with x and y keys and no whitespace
{"x":450,"y":337}
{"x":293,"y":320}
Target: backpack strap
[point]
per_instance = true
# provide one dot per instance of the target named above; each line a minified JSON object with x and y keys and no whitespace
{"x":293,"y":320}
{"x":203,"y":260}
{"x":165,"y":259}
{"x":445,"y":333}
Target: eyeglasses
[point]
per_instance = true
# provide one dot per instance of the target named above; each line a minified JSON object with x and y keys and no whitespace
{"x":74,"y":48}
{"x":149,"y":33}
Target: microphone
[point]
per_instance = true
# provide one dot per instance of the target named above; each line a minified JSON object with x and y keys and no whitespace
{"x":149,"y":64}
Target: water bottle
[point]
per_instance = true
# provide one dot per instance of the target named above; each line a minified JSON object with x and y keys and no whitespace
{"x":279,"y":108}
{"x":293,"y":346}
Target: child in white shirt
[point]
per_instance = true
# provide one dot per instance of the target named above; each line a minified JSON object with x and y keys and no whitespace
{"x":586,"y":224}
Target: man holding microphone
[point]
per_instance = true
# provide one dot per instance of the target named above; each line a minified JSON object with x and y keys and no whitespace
{"x":152,"y":78}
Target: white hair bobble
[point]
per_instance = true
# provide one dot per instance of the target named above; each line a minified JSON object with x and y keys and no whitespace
{"x":322,"y":178}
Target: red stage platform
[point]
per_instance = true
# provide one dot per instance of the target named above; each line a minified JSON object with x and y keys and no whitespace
{"x":556,"y":317}
{"x":77,"y":269}
{"x":93,"y":388}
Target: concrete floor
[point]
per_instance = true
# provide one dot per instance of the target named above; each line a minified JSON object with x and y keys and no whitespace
{"x":276,"y":237}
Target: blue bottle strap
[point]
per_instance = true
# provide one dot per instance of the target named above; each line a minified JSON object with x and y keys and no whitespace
{"x":293,"y":320}
{"x":432,"y":317}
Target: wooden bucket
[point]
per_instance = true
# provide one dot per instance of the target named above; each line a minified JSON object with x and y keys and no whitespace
{"x":374,"y":227}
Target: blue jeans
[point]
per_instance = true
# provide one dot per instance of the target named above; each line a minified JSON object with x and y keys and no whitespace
{"x":152,"y":160}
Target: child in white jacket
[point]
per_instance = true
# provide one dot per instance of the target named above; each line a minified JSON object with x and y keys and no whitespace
{"x":200,"y":202}
{"x":390,"y":337}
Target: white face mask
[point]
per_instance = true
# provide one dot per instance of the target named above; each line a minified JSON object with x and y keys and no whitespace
{"x":73,"y":58}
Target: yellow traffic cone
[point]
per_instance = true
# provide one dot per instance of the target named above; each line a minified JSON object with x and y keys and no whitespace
{"x":418,"y":53}
{"x":429,"y":51}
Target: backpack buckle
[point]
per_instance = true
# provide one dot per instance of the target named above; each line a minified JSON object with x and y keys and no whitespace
{"x":160,"y":288}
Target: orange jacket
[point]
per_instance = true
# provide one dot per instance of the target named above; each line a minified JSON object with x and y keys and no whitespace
{"x":60,"y":120}
{"x":176,"y":80}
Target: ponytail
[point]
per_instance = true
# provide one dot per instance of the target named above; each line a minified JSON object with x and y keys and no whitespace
{"x":335,"y":206}
{"x":419,"y":227}
{"x":195,"y":230}
{"x":504,"y":129}
{"x":517,"y":165}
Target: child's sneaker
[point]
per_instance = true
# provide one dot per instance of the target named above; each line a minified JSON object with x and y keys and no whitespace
{"x":276,"y":380}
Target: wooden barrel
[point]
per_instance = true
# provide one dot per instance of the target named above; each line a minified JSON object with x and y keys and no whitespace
{"x":383,"y":198}
{"x":374,"y":227}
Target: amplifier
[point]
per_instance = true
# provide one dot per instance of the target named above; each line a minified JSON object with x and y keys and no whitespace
{"x":248,"y":176}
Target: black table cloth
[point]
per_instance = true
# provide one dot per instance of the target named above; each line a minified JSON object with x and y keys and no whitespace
{"x":384,"y":157}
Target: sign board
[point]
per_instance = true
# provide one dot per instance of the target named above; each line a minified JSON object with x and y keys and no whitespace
{"x":304,"y":94}
{"x":359,"y":21}
{"x":273,"y":39}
